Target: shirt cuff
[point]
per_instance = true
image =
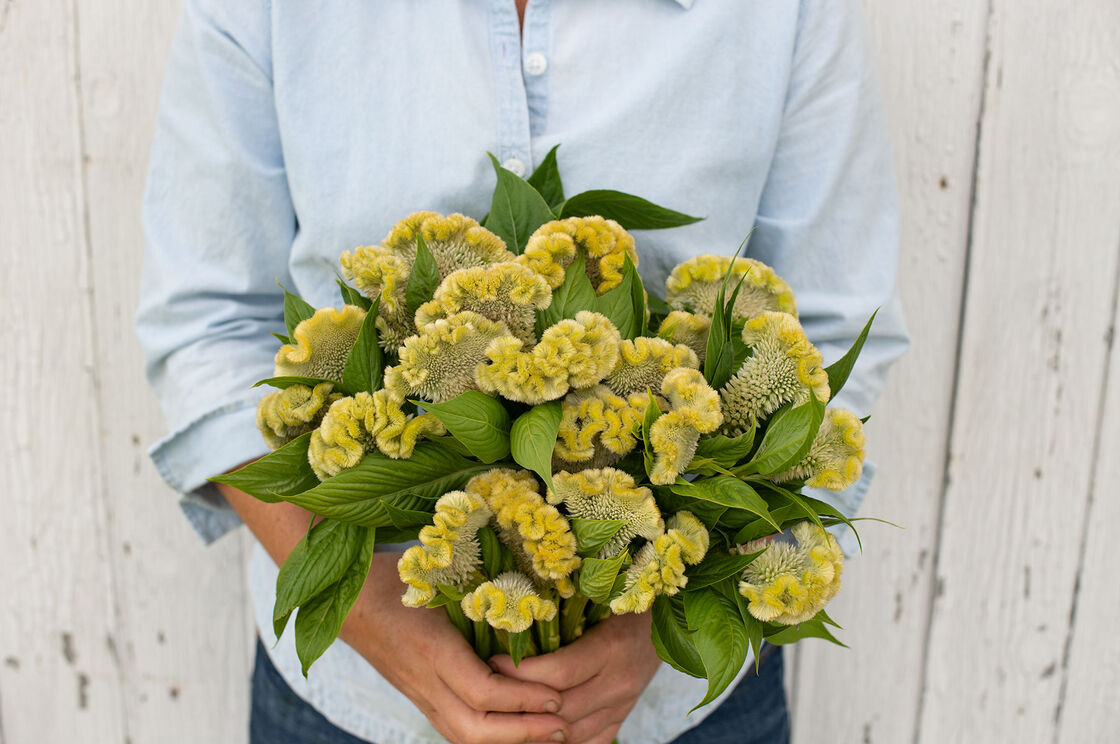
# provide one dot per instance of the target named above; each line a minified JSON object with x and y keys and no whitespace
{"x":214,"y":443}
{"x":848,"y":502}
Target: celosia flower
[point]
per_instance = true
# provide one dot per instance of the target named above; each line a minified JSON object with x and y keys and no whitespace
{"x":782,"y":368}
{"x":695,"y":410}
{"x":441,"y":361}
{"x":540,"y":536}
{"x":644,"y":362}
{"x":695,"y":284}
{"x":608,"y":493}
{"x":509,"y":602}
{"x":320,"y":344}
{"x":791,"y":582}
{"x":504,"y":292}
{"x":356,"y":425}
{"x":835,"y":459}
{"x":597,"y":426}
{"x":283,"y":415}
{"x":690,"y":329}
{"x":659,"y":566}
{"x":574,"y":353}
{"x":552,"y":249}
{"x":448,"y":552}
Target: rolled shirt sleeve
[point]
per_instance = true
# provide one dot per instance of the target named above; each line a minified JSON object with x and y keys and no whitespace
{"x":218,"y":224}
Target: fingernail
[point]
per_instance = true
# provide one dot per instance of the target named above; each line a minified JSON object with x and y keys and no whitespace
{"x":558,"y":736}
{"x":552,"y":707}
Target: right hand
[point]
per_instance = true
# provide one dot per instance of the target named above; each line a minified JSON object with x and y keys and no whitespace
{"x":422,"y":654}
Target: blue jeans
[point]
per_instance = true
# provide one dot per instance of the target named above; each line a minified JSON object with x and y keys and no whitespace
{"x":754,"y":713}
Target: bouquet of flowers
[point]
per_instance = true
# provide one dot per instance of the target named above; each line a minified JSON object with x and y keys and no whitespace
{"x":562,"y":443}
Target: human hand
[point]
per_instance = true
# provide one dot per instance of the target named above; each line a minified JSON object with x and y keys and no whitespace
{"x":601,"y":675}
{"x":422,"y":654}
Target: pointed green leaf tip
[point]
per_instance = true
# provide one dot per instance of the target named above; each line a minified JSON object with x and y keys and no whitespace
{"x":423,"y":278}
{"x":516,"y":209}
{"x":838,"y":372}
{"x":632,"y":212}
{"x":533,"y":437}
{"x":546,"y":180}
{"x":478,"y":421}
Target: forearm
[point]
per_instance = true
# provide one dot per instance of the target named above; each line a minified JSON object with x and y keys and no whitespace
{"x":278,"y":527}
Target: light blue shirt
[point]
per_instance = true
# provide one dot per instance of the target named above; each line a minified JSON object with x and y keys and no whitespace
{"x":289,"y":132}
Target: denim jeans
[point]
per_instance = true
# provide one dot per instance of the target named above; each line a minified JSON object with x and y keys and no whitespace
{"x":754,"y":713}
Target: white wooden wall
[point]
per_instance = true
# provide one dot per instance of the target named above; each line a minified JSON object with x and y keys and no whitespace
{"x":989,"y":619}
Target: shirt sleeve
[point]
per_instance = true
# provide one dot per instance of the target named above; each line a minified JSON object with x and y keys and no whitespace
{"x":218,"y":224}
{"x":828,"y":215}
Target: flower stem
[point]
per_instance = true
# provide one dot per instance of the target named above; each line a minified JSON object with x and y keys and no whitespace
{"x":455,"y":612}
{"x":549,"y":633}
{"x":571,"y":618}
{"x":482,"y":639}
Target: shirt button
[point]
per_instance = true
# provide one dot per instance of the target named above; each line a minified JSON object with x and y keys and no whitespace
{"x":536,"y":63}
{"x":515,"y":166}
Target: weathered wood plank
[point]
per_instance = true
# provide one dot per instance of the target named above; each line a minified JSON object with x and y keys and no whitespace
{"x":1038,"y":308}
{"x":932,"y":89}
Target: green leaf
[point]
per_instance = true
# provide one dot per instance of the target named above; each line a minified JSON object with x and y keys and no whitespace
{"x":403,"y":518}
{"x":597,"y":575}
{"x":364,"y":363}
{"x":516,"y":209}
{"x":546,"y":180}
{"x":761,"y":528}
{"x":799,"y":503}
{"x":672,"y":641}
{"x":839,"y":370}
{"x":288,"y":380}
{"x":653,"y":412}
{"x":726,"y":491}
{"x":618,"y":303}
{"x":657,"y":306}
{"x":319,"y":621}
{"x":825,"y":508}
{"x":632,"y":212}
{"x":352,"y":296}
{"x":814,"y":628}
{"x":788,"y":437}
{"x":754,"y":626}
{"x":638,"y":300}
{"x":478,"y":421}
{"x":491,"y":550}
{"x":573,"y":295}
{"x":727,"y":451}
{"x":715,"y":568}
{"x":423,"y":277}
{"x":519,"y":645}
{"x":720,"y":638}
{"x":719,"y":355}
{"x":282,"y":339}
{"x":317,"y":561}
{"x":296,"y":309}
{"x":281,"y":473}
{"x":533,"y":437}
{"x":593,"y":534}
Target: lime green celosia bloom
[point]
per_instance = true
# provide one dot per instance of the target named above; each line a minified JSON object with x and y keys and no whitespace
{"x":283,"y":415}
{"x":644,"y":362}
{"x":782,"y":369}
{"x":320,"y":344}
{"x":608,"y":493}
{"x":552,"y":248}
{"x":573,"y":354}
{"x":695,"y":410}
{"x":504,"y":292}
{"x":509,"y":602}
{"x":441,"y":361}
{"x":356,"y":425}
{"x":597,"y":426}
{"x":835,"y":459}
{"x":659,"y":566}
{"x":790,"y":583}
{"x":695,"y":284}
{"x":690,"y":329}
{"x":448,"y":552}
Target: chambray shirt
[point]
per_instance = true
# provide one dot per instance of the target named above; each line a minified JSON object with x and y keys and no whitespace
{"x":290,"y":131}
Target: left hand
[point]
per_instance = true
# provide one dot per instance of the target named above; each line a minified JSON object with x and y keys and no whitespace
{"x":601,"y":675}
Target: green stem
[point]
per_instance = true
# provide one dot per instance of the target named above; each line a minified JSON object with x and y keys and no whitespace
{"x":597,"y":613}
{"x":455,"y":612}
{"x":571,"y":618}
{"x":482,"y":639}
{"x":549,"y":634}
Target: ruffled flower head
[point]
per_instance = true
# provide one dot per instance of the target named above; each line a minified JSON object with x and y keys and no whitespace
{"x":690,"y":329}
{"x":791,"y":582}
{"x":644,"y":362}
{"x":356,"y":425}
{"x":575,"y":353}
{"x":608,"y":493}
{"x":552,"y":249}
{"x":597,"y":426}
{"x":509,"y":602}
{"x":504,"y":292}
{"x":448,"y":552}
{"x":783,"y":367}
{"x":283,"y":415}
{"x":695,"y":410}
{"x":659,"y":566}
{"x":440,"y":362}
{"x":835,"y":459}
{"x":695,"y":284}
{"x":320,"y":344}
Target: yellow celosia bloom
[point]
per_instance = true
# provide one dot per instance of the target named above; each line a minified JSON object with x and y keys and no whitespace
{"x":552,"y":249}
{"x":790,"y":583}
{"x":441,"y":361}
{"x":509,"y":602}
{"x":538,"y":534}
{"x":695,"y":284}
{"x":448,"y":552}
{"x":597,"y":426}
{"x":504,"y":292}
{"x":659,"y":566}
{"x":835,"y":459}
{"x":283,"y":415}
{"x":356,"y":425}
{"x":608,"y":493}
{"x":695,"y":410}
{"x":690,"y":329}
{"x":574,"y":353}
{"x":320,"y":344}
{"x":644,"y":362}
{"x":782,"y":369}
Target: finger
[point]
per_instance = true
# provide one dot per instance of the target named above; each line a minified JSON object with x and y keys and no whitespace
{"x":593,"y":727}
{"x":468,"y":726}
{"x":562,"y":669}
{"x":484,"y":690}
